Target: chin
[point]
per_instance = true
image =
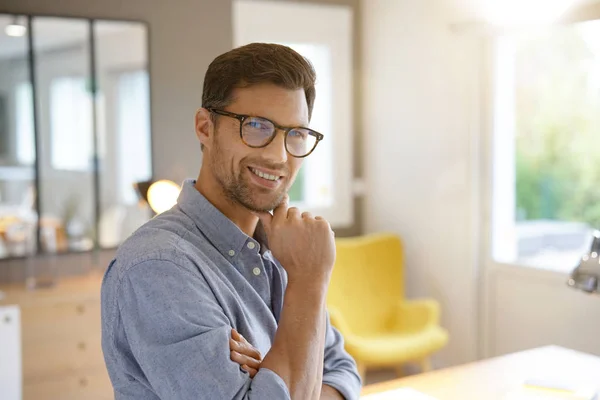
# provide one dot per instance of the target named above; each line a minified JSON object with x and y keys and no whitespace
{"x":264,"y":204}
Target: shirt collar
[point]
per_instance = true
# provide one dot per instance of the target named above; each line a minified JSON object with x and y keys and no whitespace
{"x":226,"y":236}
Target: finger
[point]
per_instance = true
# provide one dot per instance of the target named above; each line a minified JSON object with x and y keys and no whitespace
{"x":245,"y":348}
{"x":293,"y":213}
{"x":280,"y":212}
{"x":251,"y":371}
{"x":235,"y":345}
{"x":236,"y":335}
{"x":324,"y":221}
{"x":253,"y":351}
{"x":244,"y":340}
{"x":306,"y":215}
{"x":242,"y":359}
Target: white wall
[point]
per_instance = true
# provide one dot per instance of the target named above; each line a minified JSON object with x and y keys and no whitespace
{"x":420,"y":88}
{"x":531,"y":308}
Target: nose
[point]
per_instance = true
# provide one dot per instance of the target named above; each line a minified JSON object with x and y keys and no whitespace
{"x":275,"y":151}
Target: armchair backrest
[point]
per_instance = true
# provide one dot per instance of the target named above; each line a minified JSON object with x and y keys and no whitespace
{"x":367,"y":282}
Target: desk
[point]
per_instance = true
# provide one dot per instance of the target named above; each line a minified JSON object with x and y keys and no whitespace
{"x":492,"y":379}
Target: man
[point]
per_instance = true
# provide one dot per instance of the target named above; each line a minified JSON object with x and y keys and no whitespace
{"x":196,"y":295}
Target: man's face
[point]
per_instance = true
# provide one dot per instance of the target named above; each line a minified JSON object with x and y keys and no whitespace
{"x":237,"y":166}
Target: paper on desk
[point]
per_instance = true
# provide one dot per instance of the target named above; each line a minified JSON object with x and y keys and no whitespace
{"x":398,"y":394}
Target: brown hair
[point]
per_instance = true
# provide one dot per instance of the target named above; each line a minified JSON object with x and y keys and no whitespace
{"x":257,"y":63}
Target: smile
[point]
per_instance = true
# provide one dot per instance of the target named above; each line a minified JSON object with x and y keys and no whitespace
{"x":264,"y":175}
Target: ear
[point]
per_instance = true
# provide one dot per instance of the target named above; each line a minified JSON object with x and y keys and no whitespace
{"x":204,"y":127}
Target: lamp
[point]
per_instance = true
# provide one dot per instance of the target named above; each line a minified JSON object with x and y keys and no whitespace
{"x":160,"y":195}
{"x":15,"y":29}
{"x":587,"y":274}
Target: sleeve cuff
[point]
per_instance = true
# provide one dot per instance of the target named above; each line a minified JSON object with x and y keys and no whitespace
{"x":269,"y":385}
{"x":344,"y":383}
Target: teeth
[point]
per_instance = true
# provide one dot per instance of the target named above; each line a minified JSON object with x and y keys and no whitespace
{"x":263,"y":175}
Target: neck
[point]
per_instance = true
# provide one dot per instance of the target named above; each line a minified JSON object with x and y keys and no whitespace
{"x":207,"y":185}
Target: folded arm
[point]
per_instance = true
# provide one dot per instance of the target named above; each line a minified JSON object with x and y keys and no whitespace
{"x":179,"y":336}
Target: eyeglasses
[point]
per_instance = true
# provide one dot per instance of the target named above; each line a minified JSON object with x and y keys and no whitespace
{"x":258,"y":132}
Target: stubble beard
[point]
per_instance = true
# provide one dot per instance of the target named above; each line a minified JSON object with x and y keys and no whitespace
{"x":238,"y":190}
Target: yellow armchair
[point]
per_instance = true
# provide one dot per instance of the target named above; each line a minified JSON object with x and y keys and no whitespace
{"x":366,"y":304}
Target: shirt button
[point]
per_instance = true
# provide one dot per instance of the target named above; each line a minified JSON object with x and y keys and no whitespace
{"x":231,"y":253}
{"x":251,"y":245}
{"x":256,"y":271}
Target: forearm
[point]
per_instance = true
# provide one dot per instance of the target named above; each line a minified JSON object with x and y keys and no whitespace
{"x":297,"y":351}
{"x":317,"y":393}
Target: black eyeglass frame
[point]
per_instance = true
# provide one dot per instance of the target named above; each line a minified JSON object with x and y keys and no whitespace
{"x":286,"y":130}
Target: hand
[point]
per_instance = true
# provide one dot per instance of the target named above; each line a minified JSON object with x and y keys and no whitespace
{"x":303,"y":245}
{"x":244,"y":353}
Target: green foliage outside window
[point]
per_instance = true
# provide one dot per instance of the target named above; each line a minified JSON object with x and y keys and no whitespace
{"x":558,"y":126}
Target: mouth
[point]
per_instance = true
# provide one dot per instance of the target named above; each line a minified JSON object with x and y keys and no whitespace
{"x":269,"y":179}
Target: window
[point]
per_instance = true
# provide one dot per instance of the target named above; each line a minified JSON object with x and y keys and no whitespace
{"x":133,"y":133}
{"x":327,"y":43}
{"x":24,"y":124}
{"x":546,"y":190}
{"x":71,"y":124}
{"x":314,"y":184}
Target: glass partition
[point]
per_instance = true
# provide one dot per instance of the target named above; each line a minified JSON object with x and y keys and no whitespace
{"x":75,"y":133}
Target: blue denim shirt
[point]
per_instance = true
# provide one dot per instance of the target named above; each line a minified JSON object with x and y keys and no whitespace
{"x":173,"y":293}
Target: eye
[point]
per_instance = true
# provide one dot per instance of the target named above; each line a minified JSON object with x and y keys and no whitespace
{"x":258,"y":124}
{"x":297,"y":134}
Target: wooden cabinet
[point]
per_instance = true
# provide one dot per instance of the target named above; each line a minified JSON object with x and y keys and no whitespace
{"x":61,"y":340}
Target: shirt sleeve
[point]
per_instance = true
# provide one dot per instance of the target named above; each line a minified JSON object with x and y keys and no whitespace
{"x":179,"y":336}
{"x":339,"y":368}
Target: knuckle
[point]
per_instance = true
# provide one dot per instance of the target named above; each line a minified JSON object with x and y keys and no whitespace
{"x":323,"y":223}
